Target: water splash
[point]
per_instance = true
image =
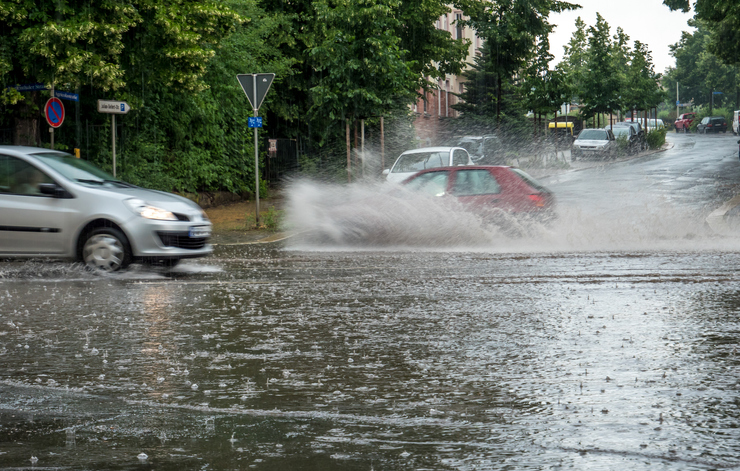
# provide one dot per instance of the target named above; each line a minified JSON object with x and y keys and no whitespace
{"x":372,"y":216}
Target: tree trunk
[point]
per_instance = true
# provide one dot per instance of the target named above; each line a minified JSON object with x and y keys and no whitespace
{"x":27,"y":132}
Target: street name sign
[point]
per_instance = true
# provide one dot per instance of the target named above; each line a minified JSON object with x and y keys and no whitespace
{"x":113,"y":107}
{"x":67,"y":95}
{"x":255,"y":86}
{"x":54,"y":111}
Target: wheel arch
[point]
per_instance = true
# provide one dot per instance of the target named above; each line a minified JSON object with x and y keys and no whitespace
{"x":96,"y":224}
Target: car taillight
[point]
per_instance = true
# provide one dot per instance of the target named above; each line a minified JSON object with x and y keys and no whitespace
{"x":709,"y":125}
{"x":538,"y":200}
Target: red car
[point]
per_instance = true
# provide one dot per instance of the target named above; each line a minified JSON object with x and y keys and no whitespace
{"x":683,"y":123}
{"x":488,"y":190}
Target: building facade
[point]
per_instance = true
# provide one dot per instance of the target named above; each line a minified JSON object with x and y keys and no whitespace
{"x":434,"y":108}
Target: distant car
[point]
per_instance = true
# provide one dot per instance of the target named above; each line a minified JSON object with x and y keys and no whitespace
{"x":590,"y":143}
{"x":712,"y":124}
{"x":629,"y":134}
{"x":487,"y":190}
{"x":683,"y":123}
{"x":54,"y":205}
{"x":415,"y":160}
{"x":483,"y":150}
{"x":638,"y":129}
{"x":653,"y":124}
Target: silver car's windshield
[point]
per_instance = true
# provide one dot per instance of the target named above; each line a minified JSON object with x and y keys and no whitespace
{"x":593,"y":135}
{"x":618,"y":131}
{"x":420,"y":161}
{"x":78,"y":170}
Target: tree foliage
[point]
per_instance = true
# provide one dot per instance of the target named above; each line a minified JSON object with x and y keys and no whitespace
{"x":722,"y":20}
{"x":699,"y":72}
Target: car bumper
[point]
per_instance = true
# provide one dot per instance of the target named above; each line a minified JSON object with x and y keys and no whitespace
{"x":169,"y":239}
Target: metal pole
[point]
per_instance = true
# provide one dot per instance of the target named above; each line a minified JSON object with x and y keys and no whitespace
{"x":256,"y":160}
{"x":382,"y":145}
{"x":678,"y":107}
{"x":113,"y":139}
{"x":51,"y":129}
{"x":362,"y":151}
{"x":349,"y":160}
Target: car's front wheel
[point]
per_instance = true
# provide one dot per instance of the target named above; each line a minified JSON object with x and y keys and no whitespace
{"x":106,"y":249}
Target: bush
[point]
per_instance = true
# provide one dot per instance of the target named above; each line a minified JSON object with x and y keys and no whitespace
{"x":622,"y":144}
{"x":656,"y":138}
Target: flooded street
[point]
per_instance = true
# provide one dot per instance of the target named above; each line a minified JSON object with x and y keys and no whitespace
{"x":607,"y":340}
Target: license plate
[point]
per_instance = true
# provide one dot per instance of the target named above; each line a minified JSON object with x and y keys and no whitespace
{"x":200,"y":231}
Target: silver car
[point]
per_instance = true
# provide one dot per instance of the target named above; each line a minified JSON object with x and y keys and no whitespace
{"x":592,"y":143}
{"x":55,"y":205}
{"x":416,"y":160}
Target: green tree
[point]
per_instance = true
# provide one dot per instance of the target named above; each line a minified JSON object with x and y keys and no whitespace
{"x":722,"y":20}
{"x":699,"y":72}
{"x":574,"y":63}
{"x":602,"y":81}
{"x":512,"y":30}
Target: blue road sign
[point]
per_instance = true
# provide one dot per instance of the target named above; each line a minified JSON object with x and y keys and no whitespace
{"x":716,"y":93}
{"x":66,"y":95}
{"x":30,"y":87}
{"x":255,"y":122}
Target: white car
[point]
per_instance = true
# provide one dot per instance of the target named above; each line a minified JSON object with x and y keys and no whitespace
{"x":594,"y":143}
{"x":54,"y":205}
{"x":416,"y":160}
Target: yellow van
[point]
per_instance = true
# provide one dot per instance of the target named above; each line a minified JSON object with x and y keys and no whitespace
{"x":562,"y":127}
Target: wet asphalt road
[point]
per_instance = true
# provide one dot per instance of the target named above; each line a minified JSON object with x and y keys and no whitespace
{"x":606,"y":341}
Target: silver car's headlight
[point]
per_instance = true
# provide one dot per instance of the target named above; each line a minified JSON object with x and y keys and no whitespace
{"x":146,"y":210}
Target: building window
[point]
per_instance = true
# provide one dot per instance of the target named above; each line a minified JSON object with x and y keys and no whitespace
{"x":458,"y":26}
{"x":446,"y":23}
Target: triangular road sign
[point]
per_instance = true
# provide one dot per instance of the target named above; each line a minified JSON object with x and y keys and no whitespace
{"x":255,"y":94}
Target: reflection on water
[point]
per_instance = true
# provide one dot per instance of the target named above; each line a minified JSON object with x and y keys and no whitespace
{"x":374,"y":360}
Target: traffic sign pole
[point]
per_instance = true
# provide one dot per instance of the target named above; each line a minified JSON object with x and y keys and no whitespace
{"x":256,"y":165}
{"x":113,"y":108}
{"x":255,"y":95}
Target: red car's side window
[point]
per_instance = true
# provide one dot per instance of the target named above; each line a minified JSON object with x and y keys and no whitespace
{"x":475,"y":182}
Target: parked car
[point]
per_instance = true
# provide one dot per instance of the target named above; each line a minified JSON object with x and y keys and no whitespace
{"x":683,"y":123}
{"x":483,"y":150}
{"x":54,"y":205}
{"x":641,"y":139}
{"x":489,"y":191}
{"x":712,"y":124}
{"x":653,"y":124}
{"x":592,"y":143}
{"x":629,"y":134}
{"x":415,"y":160}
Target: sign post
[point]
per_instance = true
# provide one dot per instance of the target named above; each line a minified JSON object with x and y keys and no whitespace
{"x":113,"y":108}
{"x":255,"y":86}
{"x":54,"y":111}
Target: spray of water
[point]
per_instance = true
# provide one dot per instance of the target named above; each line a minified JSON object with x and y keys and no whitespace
{"x":372,"y":216}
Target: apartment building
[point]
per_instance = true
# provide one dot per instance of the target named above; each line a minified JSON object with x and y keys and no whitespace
{"x":435,"y":107}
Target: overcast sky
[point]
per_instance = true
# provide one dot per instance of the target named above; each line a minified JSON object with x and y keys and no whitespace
{"x":649,"y":21}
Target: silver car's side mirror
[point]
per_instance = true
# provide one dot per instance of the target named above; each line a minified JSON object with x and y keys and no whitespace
{"x":52,"y":189}
{"x":386,"y":171}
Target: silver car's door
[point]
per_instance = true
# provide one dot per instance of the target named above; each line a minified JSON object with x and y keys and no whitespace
{"x":31,"y":222}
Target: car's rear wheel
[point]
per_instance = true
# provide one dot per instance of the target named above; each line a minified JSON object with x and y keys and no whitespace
{"x":106,"y":249}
